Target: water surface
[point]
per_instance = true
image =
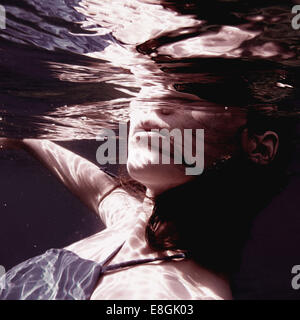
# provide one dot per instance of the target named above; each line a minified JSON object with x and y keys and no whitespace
{"x":69,"y":68}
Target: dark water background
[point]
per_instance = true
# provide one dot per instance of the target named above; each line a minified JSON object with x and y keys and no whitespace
{"x":69,"y":68}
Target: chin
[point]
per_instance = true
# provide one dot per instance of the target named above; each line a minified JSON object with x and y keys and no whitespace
{"x":144,"y":165}
{"x":157,"y":177}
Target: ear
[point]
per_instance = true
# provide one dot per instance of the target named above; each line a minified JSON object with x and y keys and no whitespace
{"x":261,"y":149}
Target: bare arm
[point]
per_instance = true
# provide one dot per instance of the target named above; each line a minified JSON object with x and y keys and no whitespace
{"x":80,"y":176}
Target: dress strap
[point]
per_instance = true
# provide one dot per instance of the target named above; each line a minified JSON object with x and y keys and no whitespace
{"x":112,"y":255}
{"x":141,"y":261}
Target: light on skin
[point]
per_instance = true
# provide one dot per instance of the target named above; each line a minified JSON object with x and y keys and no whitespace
{"x":220,"y":126}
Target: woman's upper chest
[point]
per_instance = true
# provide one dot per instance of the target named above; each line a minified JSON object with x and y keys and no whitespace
{"x":171,"y":280}
{"x":154,"y":281}
{"x":157,"y":280}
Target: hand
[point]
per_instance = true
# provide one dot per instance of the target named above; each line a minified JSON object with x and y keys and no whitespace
{"x":9,"y":143}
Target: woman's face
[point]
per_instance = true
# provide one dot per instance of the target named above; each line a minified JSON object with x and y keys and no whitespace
{"x":219,"y":125}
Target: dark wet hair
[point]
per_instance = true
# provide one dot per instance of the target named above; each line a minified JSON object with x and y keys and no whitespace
{"x":210,"y":217}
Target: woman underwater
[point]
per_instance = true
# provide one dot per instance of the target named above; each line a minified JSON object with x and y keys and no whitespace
{"x":208,"y":230}
{"x":184,"y":238}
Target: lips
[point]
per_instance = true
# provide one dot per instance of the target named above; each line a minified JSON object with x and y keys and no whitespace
{"x":145,"y":128}
{"x":148,"y":125}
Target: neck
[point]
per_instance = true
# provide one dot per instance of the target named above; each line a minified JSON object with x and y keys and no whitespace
{"x":137,"y":237}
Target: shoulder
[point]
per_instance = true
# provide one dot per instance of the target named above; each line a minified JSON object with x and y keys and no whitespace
{"x":117,"y":206}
